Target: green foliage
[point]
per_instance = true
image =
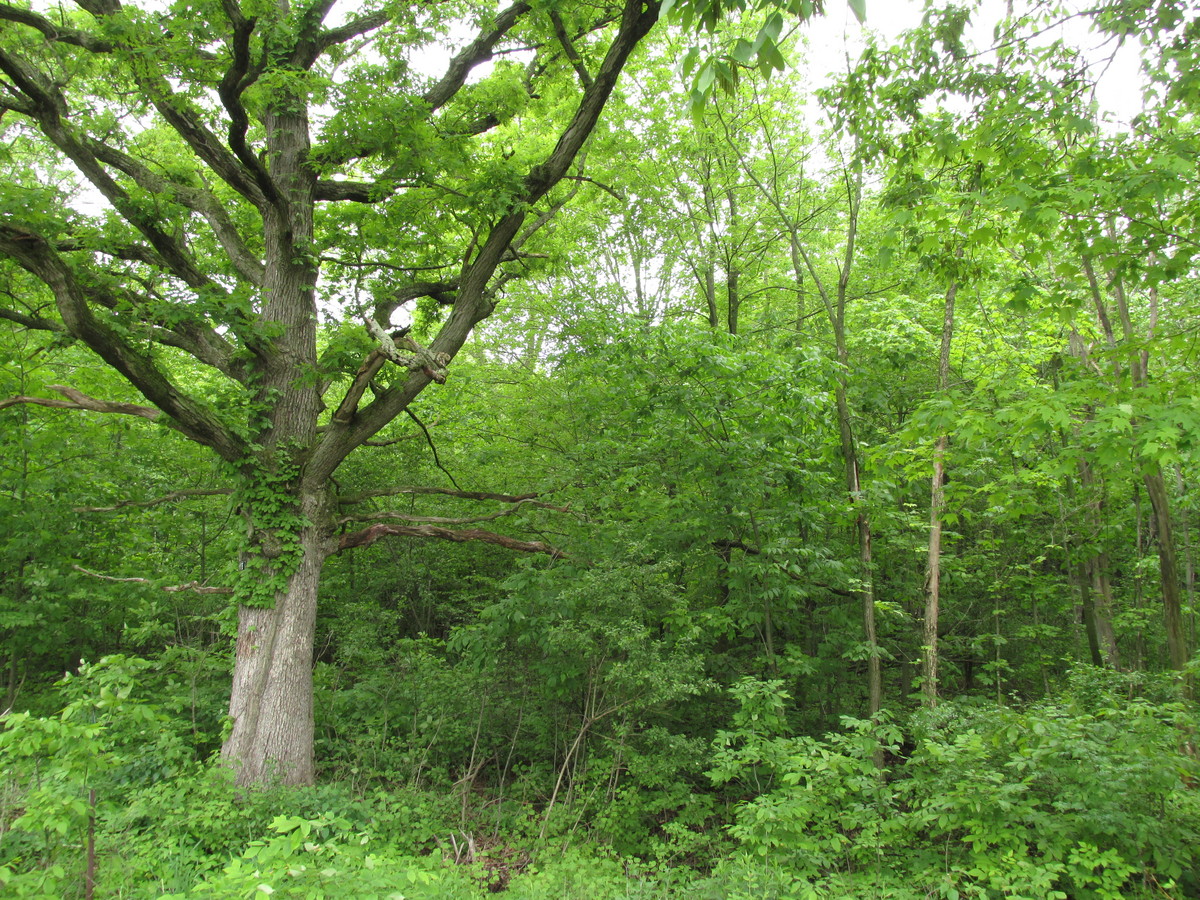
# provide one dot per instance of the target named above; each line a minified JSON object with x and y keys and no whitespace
{"x":319,"y":857}
{"x":1089,"y":796}
{"x":63,"y":772}
{"x":673,"y":708}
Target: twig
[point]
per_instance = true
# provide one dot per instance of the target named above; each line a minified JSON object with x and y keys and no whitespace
{"x":429,"y":440}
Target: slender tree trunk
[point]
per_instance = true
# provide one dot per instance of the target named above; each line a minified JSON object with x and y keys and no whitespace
{"x":798,"y":271}
{"x":732,"y":272}
{"x":1087,"y":597}
{"x":1152,"y":478}
{"x":862,"y":528}
{"x":836,"y":310}
{"x":733,"y":297}
{"x":1168,"y":568}
{"x":1099,"y":605}
{"x":710,"y":294}
{"x":1189,"y":561}
{"x":937,"y":500}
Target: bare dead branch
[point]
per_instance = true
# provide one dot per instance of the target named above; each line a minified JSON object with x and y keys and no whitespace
{"x":78,"y":400}
{"x":461,"y":495}
{"x":417,"y":359}
{"x":173,"y":588}
{"x":368,"y":536}
{"x":166,"y":498}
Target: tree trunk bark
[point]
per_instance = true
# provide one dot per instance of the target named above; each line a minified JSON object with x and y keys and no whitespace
{"x":1100,"y":605}
{"x":937,"y":500}
{"x":1168,"y":567}
{"x":271,"y":703}
{"x":862,"y":528}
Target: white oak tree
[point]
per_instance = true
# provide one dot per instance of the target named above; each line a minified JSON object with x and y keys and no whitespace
{"x":257,"y":165}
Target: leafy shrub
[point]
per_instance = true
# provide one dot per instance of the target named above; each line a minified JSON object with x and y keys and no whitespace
{"x":63,"y":773}
{"x":1060,"y":800}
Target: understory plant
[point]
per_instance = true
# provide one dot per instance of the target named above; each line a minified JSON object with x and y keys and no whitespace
{"x":1060,"y":799}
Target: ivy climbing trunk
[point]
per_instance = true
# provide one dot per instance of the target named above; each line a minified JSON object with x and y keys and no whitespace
{"x":271,"y":701}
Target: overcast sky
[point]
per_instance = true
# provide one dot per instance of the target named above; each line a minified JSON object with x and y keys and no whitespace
{"x":838,"y":32}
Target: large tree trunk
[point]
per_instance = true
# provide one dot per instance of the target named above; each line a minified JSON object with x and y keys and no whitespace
{"x":271,"y":703}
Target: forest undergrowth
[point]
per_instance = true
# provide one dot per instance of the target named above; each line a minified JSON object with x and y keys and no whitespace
{"x":1091,"y":794}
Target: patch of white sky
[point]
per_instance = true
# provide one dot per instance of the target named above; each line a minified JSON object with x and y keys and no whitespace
{"x":835,"y":40}
{"x":837,"y":37}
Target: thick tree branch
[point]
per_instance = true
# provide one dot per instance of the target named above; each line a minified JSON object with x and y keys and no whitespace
{"x":192,"y":418}
{"x":52,"y":32}
{"x":51,"y":117}
{"x":348,"y":32}
{"x":186,"y":121}
{"x":368,"y":536}
{"x":478,"y":51}
{"x":441,"y":291}
{"x":192,"y":334}
{"x":179,"y":114}
{"x":36,"y":323}
{"x":78,"y":400}
{"x":362,"y":378}
{"x":240,"y":75}
{"x":473,"y":303}
{"x":355,"y":191}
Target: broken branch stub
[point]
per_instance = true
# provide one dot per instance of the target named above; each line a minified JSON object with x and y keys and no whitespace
{"x":417,"y":359}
